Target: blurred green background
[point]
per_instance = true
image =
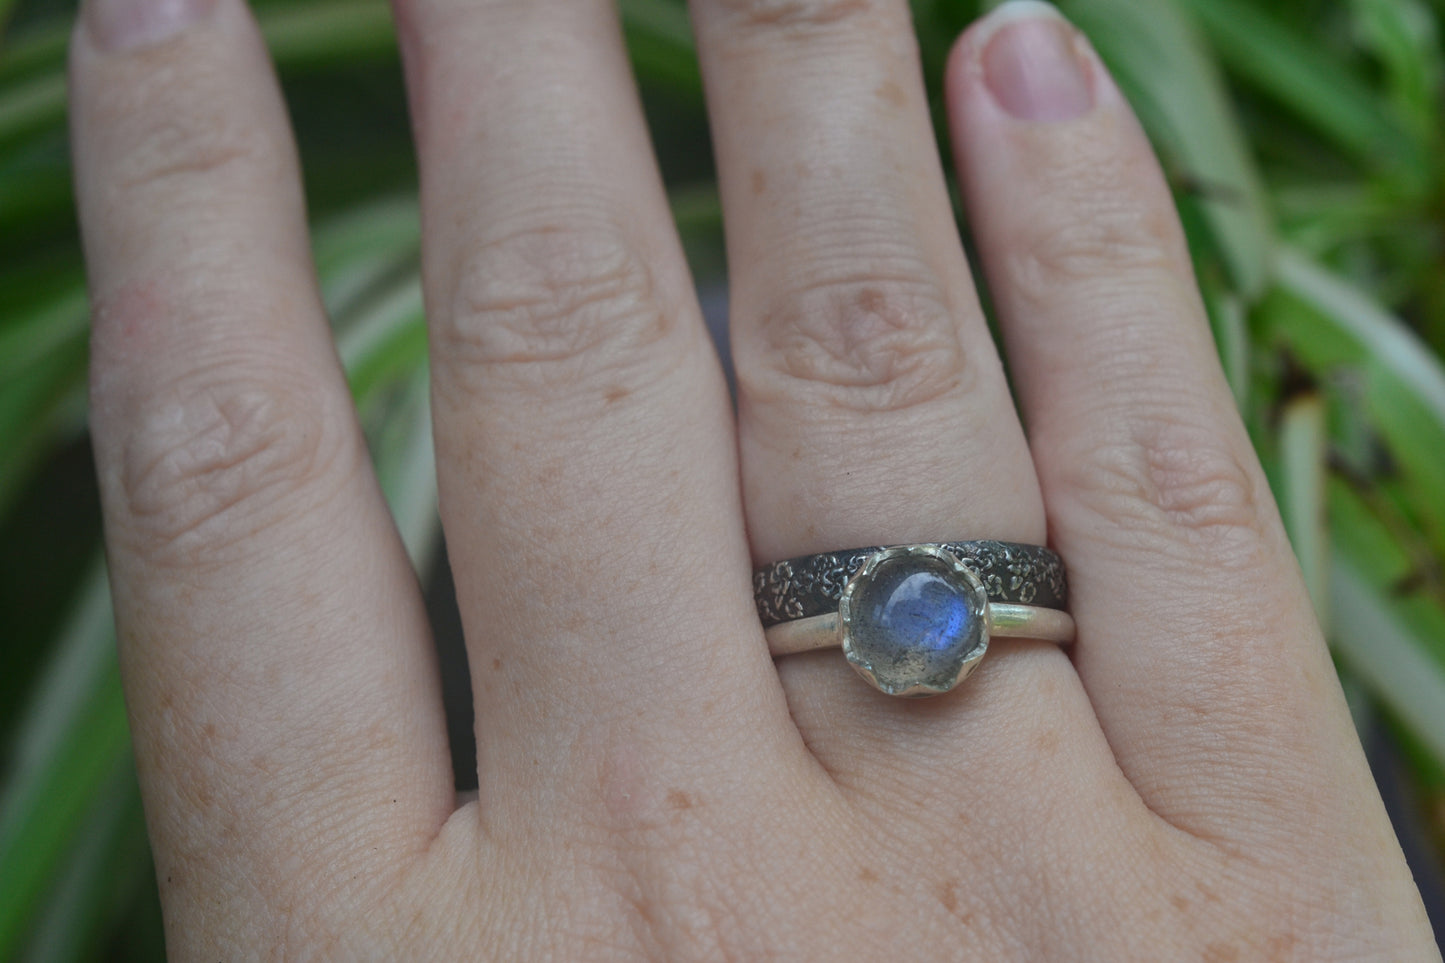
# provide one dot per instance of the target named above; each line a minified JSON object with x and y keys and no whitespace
{"x":1302,"y":139}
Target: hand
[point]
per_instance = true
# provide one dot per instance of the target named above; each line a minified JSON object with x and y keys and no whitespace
{"x":1184,"y":785}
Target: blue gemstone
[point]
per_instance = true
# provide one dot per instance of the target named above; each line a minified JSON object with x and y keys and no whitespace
{"x":913,"y":621}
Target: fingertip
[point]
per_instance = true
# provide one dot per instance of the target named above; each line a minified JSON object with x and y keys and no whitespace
{"x":975,"y":38}
{"x":120,"y":26}
{"x":1026,"y":63}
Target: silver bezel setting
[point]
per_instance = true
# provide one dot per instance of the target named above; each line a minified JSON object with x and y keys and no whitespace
{"x":976,"y":596}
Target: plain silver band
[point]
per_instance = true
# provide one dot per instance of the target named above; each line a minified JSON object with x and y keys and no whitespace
{"x":1005,"y":621}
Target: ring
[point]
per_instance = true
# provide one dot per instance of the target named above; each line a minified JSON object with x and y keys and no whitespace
{"x":914,"y":620}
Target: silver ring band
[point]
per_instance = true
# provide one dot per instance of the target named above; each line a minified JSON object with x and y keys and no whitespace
{"x":913,"y":620}
{"x":1005,"y":621}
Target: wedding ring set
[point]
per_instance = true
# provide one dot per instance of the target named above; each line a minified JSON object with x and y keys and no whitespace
{"x":914,"y":620}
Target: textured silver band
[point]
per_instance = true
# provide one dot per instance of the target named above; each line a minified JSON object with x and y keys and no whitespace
{"x":810,"y":585}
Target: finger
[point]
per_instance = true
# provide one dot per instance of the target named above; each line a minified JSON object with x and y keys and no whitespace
{"x":856,"y":327}
{"x":587,"y":474}
{"x":1196,"y":642}
{"x":872,"y":404}
{"x":283,"y":700}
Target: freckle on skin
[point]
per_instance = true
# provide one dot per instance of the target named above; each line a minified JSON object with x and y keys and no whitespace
{"x":867,"y":875}
{"x":870,"y":299}
{"x":890,"y":92}
{"x":1220,"y":953}
{"x":615,"y":394}
{"x":760,"y":182}
{"x":678,"y":799}
{"x":497,"y":664}
{"x":948,"y":895}
{"x":1281,"y":947}
{"x":380,"y":737}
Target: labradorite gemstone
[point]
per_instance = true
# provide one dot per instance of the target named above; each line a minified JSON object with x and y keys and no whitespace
{"x":913,"y":622}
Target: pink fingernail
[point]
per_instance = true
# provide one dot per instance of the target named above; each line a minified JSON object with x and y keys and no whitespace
{"x":120,"y":25}
{"x":1031,"y":64}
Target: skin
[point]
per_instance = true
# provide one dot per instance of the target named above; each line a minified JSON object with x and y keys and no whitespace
{"x":1183,"y":784}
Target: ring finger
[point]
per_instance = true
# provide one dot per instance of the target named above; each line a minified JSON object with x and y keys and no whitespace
{"x":872,"y":405}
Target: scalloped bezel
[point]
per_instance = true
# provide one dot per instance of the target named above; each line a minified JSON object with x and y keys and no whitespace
{"x":963,"y":578}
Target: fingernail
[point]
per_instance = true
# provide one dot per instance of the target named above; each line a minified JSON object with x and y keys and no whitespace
{"x":119,"y":25}
{"x":1031,"y":64}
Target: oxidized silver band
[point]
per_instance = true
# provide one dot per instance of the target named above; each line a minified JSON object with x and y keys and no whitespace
{"x":914,"y":620}
{"x":809,"y":585}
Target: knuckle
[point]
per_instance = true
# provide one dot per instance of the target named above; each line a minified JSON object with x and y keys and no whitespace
{"x":173,"y":133}
{"x":861,"y":344}
{"x":227,"y":451}
{"x":179,"y":149}
{"x":1171,"y":485}
{"x":551,"y":306}
{"x":1101,"y":228}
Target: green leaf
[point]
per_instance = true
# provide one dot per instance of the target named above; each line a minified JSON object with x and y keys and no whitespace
{"x":1402,"y":382}
{"x":1304,"y":447}
{"x":7,"y":9}
{"x":382,"y":229}
{"x":1162,"y":65}
{"x":31,"y":107}
{"x":42,"y":378}
{"x":1403,"y":35}
{"x":109,"y":861}
{"x":367,"y":261}
{"x":1305,"y":80}
{"x":305,"y":35}
{"x":57,"y":324}
{"x":1394,"y":644}
{"x":659,"y":37}
{"x":401,"y":444}
{"x":1228,"y":323}
{"x":40,"y":407}
{"x":386,"y":340}
{"x":1320,"y":218}
{"x":41,"y":48}
{"x":72,"y":739}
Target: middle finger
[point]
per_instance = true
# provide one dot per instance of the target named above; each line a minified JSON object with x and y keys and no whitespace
{"x":586,"y":466}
